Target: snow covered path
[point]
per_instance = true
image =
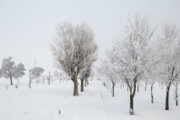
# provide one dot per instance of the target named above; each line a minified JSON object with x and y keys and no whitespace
{"x":44,"y":102}
{"x":88,"y":106}
{"x":56,"y":102}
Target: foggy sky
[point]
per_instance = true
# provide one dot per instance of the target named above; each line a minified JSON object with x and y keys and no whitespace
{"x":28,"y":26}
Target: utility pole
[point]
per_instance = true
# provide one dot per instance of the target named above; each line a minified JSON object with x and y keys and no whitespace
{"x":30,"y":78}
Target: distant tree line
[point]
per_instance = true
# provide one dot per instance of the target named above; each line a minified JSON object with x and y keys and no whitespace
{"x":10,"y":70}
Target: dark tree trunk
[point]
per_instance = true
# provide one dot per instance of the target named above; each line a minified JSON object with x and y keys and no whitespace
{"x":75,"y":93}
{"x":176,"y":94}
{"x":82,"y":85}
{"x":131,"y":112}
{"x":11,"y":80}
{"x":152,"y":96}
{"x":167,"y":96}
{"x":113,"y":87}
{"x":132,"y":94}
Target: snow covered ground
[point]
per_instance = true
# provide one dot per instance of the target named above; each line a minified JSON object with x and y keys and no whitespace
{"x":55,"y":102}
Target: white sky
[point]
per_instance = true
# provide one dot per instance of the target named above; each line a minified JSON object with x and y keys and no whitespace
{"x":27,"y":26}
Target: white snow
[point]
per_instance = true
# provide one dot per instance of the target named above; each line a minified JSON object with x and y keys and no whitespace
{"x":55,"y":102}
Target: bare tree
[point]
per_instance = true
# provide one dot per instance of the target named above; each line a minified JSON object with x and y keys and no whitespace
{"x":130,"y":54}
{"x":71,"y":49}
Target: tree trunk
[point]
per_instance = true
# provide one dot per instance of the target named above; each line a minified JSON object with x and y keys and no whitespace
{"x":113,"y":87}
{"x":75,"y":93}
{"x":152,"y":96}
{"x":11,"y":80}
{"x":131,"y":111}
{"x":167,"y":96}
{"x":82,"y":85}
{"x":176,"y":94}
{"x":132,"y":94}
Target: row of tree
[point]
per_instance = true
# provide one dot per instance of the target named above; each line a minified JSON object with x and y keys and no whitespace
{"x":74,"y":51}
{"x":10,"y":70}
{"x":141,"y":54}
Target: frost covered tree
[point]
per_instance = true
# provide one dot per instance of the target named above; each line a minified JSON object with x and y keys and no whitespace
{"x":19,"y":71}
{"x":72,"y":48}
{"x":84,"y":76}
{"x":151,"y":76}
{"x":109,"y":73}
{"x":10,"y":70}
{"x":7,"y":68}
{"x":86,"y":72}
{"x":169,"y":46}
{"x":130,"y":54}
{"x":35,"y":73}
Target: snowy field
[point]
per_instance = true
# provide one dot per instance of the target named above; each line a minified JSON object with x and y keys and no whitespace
{"x":55,"y":102}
